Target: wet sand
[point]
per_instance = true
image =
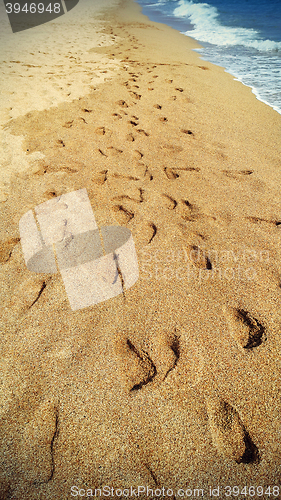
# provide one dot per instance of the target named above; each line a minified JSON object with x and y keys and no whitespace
{"x":176,"y":382}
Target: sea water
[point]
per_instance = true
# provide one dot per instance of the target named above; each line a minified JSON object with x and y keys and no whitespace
{"x":242,"y":36}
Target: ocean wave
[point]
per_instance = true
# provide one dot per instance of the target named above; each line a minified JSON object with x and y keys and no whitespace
{"x":207,"y":28}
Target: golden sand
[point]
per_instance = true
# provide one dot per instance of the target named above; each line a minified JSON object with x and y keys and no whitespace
{"x":176,"y":382}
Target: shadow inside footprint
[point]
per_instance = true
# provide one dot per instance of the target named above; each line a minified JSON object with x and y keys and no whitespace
{"x":245,"y":328}
{"x":147,"y":366}
{"x":199,"y":258}
{"x":6,"y":249}
{"x":229,"y":435}
{"x":256,"y":331}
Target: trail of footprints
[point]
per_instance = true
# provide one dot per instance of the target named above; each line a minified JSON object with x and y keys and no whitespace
{"x":140,"y":368}
{"x":229,"y":435}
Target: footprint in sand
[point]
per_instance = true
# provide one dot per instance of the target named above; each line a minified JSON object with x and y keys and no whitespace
{"x":25,"y":297}
{"x":123,"y":104}
{"x":38,"y":439}
{"x":247,"y":331}
{"x":112,"y":151}
{"x":134,"y":121}
{"x":137,"y":155}
{"x":6,"y":249}
{"x":228,"y":433}
{"x":236,"y":174}
{"x":122,"y":214}
{"x":169,"y":202}
{"x":137,"y":367}
{"x":143,"y":132}
{"x":186,"y":131}
{"x":130,"y":138}
{"x":127,"y":177}
{"x":127,"y":197}
{"x":198,"y":257}
{"x":173,"y":148}
{"x":135,"y":95}
{"x":141,"y":367}
{"x":170,"y":173}
{"x":101,"y":177}
{"x":145,"y":233}
{"x":102,"y":152}
{"x":188,"y":211}
{"x":148,"y":174}
{"x":259,"y":220}
{"x":100,"y":131}
{"x":68,"y":124}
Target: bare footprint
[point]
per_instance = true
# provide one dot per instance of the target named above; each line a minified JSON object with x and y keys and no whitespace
{"x":228,"y":433}
{"x":143,"y":132}
{"x":135,"y":95}
{"x":186,"y":131}
{"x":122,"y":214}
{"x":100,"y":131}
{"x":145,"y":233}
{"x":39,"y":438}
{"x":137,"y":367}
{"x":142,"y":367}
{"x":130,"y":138}
{"x":114,"y":151}
{"x":170,"y":173}
{"x":27,"y":295}
{"x":127,"y":197}
{"x":6,"y":249}
{"x":169,"y":202}
{"x":236,"y":174}
{"x":128,"y":177}
{"x":148,"y":174}
{"x":100,"y":178}
{"x":260,"y":220}
{"x":68,"y":124}
{"x":187,"y":211}
{"x":123,"y":104}
{"x":245,"y":328}
{"x":137,"y":155}
{"x":198,"y":257}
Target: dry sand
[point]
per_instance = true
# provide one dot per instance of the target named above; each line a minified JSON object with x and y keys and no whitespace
{"x":44,"y":66}
{"x":176,"y":382}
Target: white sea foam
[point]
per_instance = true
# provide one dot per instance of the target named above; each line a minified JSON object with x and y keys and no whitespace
{"x":207,"y":28}
{"x":261,"y":72}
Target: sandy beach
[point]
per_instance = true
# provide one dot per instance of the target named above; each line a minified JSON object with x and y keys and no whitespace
{"x":173,"y":385}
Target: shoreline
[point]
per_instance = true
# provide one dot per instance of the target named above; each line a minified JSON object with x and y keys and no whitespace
{"x":175,"y":382}
{"x":185,"y":27}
